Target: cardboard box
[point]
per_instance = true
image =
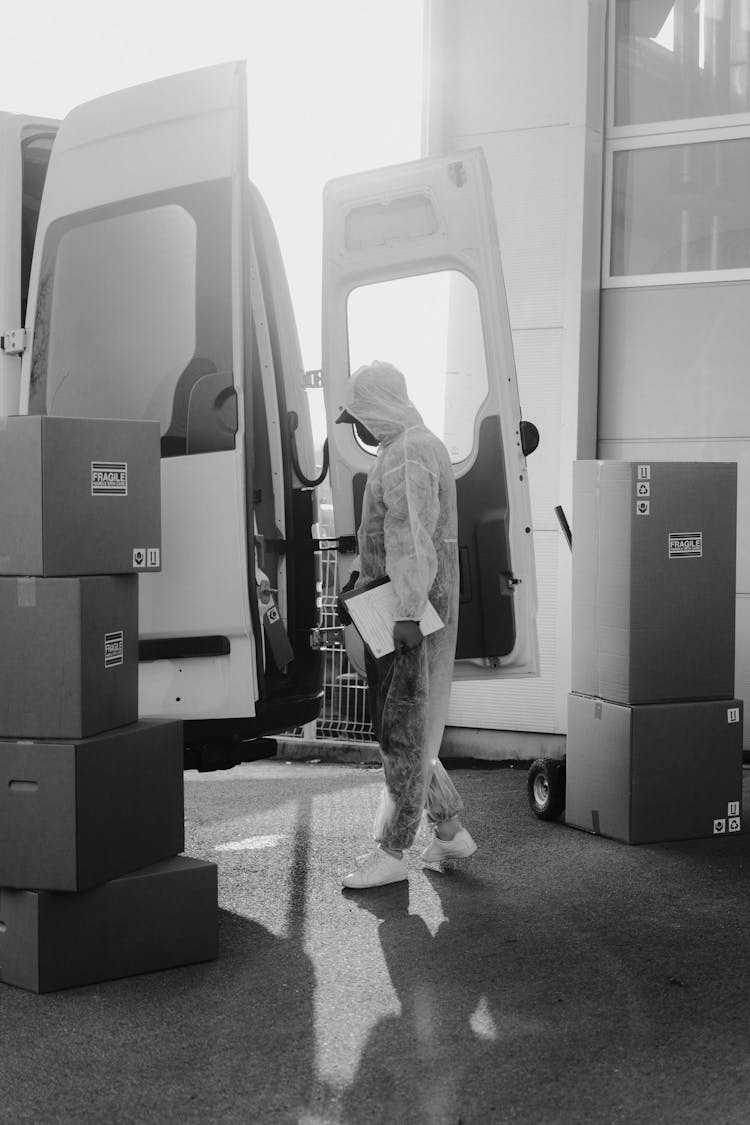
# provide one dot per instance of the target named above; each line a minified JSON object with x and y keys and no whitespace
{"x":654,"y":577}
{"x":156,"y":918}
{"x":68,"y":655}
{"x":78,"y":813}
{"x":658,"y":772}
{"x":79,"y":496}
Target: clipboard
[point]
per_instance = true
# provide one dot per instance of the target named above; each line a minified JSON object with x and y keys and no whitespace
{"x":372,"y":608}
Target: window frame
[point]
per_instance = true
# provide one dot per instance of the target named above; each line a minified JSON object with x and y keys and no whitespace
{"x":464,"y":464}
{"x":654,"y":128}
{"x":30,"y":136}
{"x":202,"y":201}
{"x":657,"y":134}
{"x":662,"y":140}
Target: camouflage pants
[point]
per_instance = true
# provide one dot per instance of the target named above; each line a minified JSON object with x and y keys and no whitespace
{"x":409,"y":702}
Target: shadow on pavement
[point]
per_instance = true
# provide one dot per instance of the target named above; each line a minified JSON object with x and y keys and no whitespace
{"x":446,"y":1032}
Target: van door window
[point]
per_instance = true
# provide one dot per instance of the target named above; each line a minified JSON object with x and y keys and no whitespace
{"x":430,"y":327}
{"x":134,"y":318}
{"x":35,"y":154}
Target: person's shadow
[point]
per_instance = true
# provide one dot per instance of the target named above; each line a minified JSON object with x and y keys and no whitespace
{"x":218,"y":1041}
{"x":428,"y":1056}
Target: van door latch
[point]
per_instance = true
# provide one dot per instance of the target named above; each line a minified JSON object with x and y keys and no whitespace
{"x":13,"y":341}
{"x":344,"y":544}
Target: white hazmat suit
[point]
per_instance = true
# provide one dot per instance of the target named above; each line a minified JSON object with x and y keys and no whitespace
{"x":408,"y":531}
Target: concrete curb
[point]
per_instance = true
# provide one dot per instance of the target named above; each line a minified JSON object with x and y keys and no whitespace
{"x":327,"y":750}
{"x":458,"y":743}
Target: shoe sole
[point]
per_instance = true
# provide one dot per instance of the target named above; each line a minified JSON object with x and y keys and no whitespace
{"x":446,"y":856}
{"x":373,"y":886}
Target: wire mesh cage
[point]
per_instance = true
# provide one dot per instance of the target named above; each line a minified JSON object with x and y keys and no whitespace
{"x":345,"y":713}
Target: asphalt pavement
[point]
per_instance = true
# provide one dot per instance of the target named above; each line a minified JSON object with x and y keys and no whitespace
{"x":556,"y":977}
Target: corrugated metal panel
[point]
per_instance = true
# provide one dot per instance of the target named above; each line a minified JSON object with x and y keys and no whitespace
{"x":529,"y":192}
{"x":530,"y":117}
{"x":523,"y":48}
{"x":525,"y":703}
{"x":674,"y":362}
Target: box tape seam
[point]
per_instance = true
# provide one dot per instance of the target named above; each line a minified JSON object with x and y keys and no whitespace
{"x":26,"y":590}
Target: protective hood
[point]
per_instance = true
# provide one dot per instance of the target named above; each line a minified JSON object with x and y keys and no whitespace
{"x":377,"y":397}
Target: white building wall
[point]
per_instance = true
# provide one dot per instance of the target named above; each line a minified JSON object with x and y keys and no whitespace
{"x":526,"y":82}
{"x":675,"y":331}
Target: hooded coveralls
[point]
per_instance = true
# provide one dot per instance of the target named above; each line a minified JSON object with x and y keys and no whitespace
{"x":408,"y":531}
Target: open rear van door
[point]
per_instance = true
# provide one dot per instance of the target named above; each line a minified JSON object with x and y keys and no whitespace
{"x":412,"y":276}
{"x":147,"y":301}
{"x":25,"y":146}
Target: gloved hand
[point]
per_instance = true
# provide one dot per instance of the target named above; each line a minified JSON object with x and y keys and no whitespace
{"x":406,"y":636}
{"x":344,"y":617}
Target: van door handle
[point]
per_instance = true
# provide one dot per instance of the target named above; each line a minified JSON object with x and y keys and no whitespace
{"x":293,"y":421}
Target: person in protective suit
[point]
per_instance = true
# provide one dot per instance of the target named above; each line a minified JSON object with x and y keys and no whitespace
{"x":408,"y":532}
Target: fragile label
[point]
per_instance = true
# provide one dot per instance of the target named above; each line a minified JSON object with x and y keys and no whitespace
{"x":109,"y":478}
{"x":643,"y":508}
{"x":685,"y":545}
{"x":720,"y":827}
{"x":114,"y":649}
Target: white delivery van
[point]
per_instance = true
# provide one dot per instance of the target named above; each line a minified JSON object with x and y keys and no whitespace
{"x":141,"y":278}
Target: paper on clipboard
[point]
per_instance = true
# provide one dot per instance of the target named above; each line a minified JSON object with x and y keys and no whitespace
{"x":372,"y":609}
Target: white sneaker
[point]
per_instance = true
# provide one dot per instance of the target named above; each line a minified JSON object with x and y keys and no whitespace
{"x":460,"y":847}
{"x":375,"y":870}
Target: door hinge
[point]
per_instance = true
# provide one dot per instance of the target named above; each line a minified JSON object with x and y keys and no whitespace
{"x":508,"y":582}
{"x":13,"y":341}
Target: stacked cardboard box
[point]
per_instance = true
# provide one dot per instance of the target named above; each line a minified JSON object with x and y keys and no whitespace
{"x":91,"y":799}
{"x":654,"y":747}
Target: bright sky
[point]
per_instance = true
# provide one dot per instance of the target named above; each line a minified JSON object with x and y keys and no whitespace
{"x":334,"y":86}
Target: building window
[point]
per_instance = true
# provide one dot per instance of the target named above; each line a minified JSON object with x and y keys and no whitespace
{"x":680,"y":59}
{"x":678,"y":143}
{"x":681,"y":208}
